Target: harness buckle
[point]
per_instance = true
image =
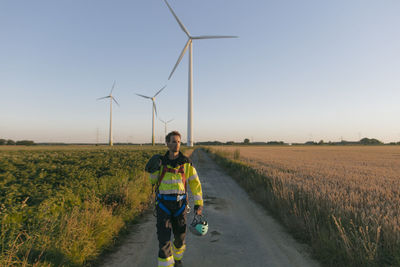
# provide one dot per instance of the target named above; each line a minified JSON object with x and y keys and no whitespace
{"x":188,"y":208}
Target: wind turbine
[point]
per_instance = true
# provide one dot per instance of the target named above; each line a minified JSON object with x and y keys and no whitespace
{"x":111,"y":100}
{"x":189,"y":44}
{"x":153,"y":99}
{"x":165,"y":125}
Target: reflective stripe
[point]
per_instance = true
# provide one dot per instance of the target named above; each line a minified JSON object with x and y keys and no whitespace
{"x":171,"y":181}
{"x":167,"y":187}
{"x":178,"y":253}
{"x":197,"y":197}
{"x":172,"y":184}
{"x":172,"y":191}
{"x":179,"y":250}
{"x":163,"y":264}
{"x":193,"y":177}
{"x":168,"y":262}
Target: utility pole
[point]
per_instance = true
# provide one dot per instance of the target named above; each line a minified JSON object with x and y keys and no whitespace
{"x":97,"y":136}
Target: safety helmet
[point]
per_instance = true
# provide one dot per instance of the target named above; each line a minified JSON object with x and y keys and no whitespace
{"x":199,"y":225}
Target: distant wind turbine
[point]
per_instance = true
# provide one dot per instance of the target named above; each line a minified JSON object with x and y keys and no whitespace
{"x":165,"y":125}
{"x":153,"y":99}
{"x":190,"y":86}
{"x":110,"y":140}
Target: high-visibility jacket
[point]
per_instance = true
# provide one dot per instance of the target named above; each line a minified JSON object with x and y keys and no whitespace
{"x":172,"y":182}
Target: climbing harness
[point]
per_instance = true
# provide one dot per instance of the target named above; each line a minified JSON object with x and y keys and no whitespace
{"x":159,"y":197}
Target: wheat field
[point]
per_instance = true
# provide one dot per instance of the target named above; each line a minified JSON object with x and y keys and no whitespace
{"x":353,"y":190}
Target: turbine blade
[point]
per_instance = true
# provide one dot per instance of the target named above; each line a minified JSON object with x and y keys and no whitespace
{"x":112,"y":88}
{"x":213,"y":37}
{"x":155,"y":108}
{"x":115,"y":101}
{"x":103,"y":97}
{"x":144,"y":96}
{"x":180,"y":57}
{"x":170,"y":121}
{"x":177,"y":19}
{"x":159,"y":91}
{"x":161,"y":120}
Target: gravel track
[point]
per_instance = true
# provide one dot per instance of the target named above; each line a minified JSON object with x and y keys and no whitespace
{"x":241,"y":232}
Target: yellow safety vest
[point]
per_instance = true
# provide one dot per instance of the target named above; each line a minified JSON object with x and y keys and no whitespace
{"x":172,"y":181}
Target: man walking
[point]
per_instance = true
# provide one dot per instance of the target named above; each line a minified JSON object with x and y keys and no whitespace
{"x":170,"y":177}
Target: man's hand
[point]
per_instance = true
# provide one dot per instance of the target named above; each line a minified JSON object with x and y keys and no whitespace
{"x":198,"y":209}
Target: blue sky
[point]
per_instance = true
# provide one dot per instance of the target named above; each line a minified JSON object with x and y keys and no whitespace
{"x":301,"y":70}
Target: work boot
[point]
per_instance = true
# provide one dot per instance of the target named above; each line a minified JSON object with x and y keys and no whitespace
{"x":178,"y":263}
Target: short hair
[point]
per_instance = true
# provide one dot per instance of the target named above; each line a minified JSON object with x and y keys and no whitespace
{"x":168,"y":137}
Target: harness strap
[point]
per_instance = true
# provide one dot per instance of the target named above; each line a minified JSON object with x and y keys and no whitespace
{"x":164,"y":208}
{"x":176,"y":214}
{"x":171,"y":197}
{"x":164,"y":170}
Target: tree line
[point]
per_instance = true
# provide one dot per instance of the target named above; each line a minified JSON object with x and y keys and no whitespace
{"x":9,"y":142}
{"x":246,"y":141}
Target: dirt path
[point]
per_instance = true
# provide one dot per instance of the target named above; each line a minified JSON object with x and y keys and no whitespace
{"x":241,"y":232}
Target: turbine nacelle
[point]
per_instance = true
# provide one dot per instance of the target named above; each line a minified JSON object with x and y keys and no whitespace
{"x":110,"y":95}
{"x":153,"y":98}
{"x":165,"y":122}
{"x":190,"y":38}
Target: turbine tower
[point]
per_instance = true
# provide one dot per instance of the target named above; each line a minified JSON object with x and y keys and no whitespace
{"x":165,"y":125}
{"x":153,"y":99}
{"x":189,"y":44}
{"x":110,"y":139}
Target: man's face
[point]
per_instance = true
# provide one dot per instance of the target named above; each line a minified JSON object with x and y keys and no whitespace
{"x":174,"y":143}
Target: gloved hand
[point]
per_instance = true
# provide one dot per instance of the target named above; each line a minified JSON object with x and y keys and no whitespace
{"x":198,"y":209}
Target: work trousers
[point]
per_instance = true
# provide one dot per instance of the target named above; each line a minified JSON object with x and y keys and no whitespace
{"x":166,"y":223}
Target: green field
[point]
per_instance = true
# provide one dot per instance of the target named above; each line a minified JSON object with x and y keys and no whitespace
{"x":64,"y":205}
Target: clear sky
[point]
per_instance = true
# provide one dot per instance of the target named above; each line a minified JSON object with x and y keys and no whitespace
{"x":301,"y":70}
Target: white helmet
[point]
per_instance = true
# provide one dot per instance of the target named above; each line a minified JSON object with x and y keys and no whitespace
{"x":199,"y":225}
